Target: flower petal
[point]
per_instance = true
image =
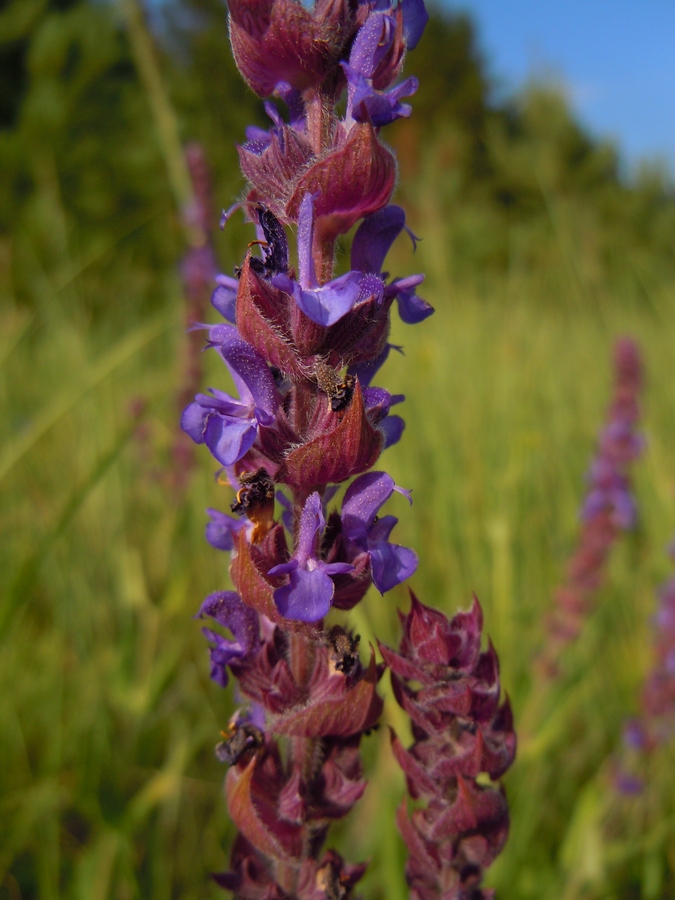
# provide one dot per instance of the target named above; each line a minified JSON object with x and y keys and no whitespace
{"x":374,"y":237}
{"x":224,"y":298}
{"x":221,"y":529}
{"x":363,"y":499}
{"x":393,"y":427}
{"x":391,"y":564}
{"x":228,"y":609}
{"x":307,"y":597}
{"x":336,"y":568}
{"x":411,"y":308}
{"x":311,"y":521}
{"x":372,"y":43}
{"x":284,"y":568}
{"x":306,"y":272}
{"x":379,"y":107}
{"x":251,"y":375}
{"x":328,"y":304}
{"x":415,"y":18}
{"x":193,"y":421}
{"x":229,"y":438}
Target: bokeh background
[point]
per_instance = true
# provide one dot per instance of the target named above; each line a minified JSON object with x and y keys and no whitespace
{"x":541,"y":244}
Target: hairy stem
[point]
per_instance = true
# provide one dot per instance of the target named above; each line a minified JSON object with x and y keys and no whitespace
{"x":321,"y":121}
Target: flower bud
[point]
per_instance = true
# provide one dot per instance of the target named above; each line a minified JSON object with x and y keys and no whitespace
{"x":277,"y":40}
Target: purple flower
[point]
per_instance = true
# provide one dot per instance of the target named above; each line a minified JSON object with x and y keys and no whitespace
{"x":257,"y":139}
{"x":609,"y":492}
{"x":226,"y":425}
{"x":372,"y":241}
{"x":390,"y":563}
{"x":221,"y":529}
{"x":366,"y":371}
{"x":364,"y":102}
{"x":224,"y":297}
{"x":627,"y":784}
{"x":324,"y":304}
{"x":228,"y":610}
{"x":415,"y":18}
{"x":634,"y":734}
{"x":379,"y":107}
{"x":378,"y":402}
{"x":310,"y":590}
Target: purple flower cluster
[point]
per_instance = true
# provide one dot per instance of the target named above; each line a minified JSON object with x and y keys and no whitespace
{"x":450,"y":690}
{"x":608,"y":509}
{"x":302,"y":346}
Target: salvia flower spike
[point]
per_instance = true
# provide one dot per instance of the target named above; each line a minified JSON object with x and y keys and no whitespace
{"x":608,"y":509}
{"x":302,"y":347}
{"x":450,"y":689}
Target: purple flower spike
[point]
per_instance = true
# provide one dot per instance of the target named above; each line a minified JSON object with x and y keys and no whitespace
{"x":228,"y":610}
{"x":608,"y":509}
{"x":222,"y":528}
{"x":324,"y":304}
{"x":228,"y":426}
{"x":310,"y":590}
{"x":303,"y":347}
{"x":390,"y":563}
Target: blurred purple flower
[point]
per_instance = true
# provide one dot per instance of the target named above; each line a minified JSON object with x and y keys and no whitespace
{"x":608,"y":509}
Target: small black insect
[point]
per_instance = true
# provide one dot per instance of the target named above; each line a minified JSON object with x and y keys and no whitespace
{"x":244,"y":739}
{"x":345,"y":648}
{"x":257,"y":489}
{"x":330,"y":881}
{"x":339,"y":389}
{"x":275,"y":247}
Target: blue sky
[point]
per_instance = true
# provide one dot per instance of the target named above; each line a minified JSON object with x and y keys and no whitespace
{"x":616,"y":60}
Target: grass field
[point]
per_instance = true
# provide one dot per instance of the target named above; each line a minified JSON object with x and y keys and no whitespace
{"x":109,"y":787}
